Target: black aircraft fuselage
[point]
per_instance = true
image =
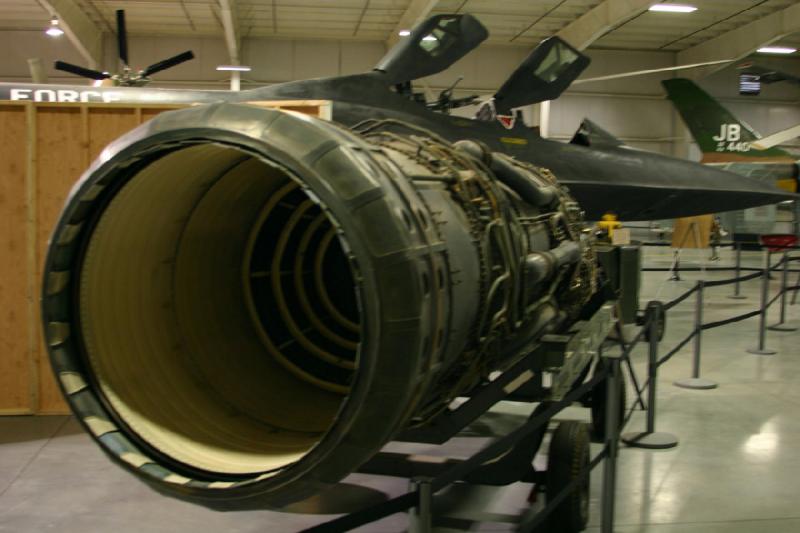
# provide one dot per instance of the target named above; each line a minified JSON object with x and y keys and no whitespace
{"x":633,"y":184}
{"x":603,"y":176}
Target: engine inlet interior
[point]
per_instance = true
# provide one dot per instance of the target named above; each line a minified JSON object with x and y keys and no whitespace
{"x":218,"y":310}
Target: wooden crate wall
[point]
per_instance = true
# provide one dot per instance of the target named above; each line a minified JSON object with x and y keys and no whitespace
{"x":44,"y":149}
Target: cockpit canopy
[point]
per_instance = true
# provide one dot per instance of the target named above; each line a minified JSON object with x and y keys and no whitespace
{"x":544,"y":75}
{"x":432,"y":47}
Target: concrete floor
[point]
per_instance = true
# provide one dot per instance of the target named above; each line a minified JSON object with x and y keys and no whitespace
{"x":736,"y":468}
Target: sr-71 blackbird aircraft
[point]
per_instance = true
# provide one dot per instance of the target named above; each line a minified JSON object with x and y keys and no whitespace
{"x":244,"y":305}
{"x":604,"y":177}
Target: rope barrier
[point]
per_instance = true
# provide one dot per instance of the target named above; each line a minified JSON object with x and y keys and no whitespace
{"x":737,"y":318}
{"x":773,"y":300}
{"x":748,"y":277}
{"x":677,"y":348}
{"x":697,"y":269}
{"x":672,"y":303}
{"x":758,"y":272}
{"x":715,"y":269}
{"x":669,"y":244}
{"x":718,"y":323}
{"x":753,"y":245}
{"x":629,"y":412}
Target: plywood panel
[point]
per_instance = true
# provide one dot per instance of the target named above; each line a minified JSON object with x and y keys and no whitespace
{"x":61,"y":157}
{"x":16,"y":377}
{"x":44,"y":149}
{"x":106,"y":124}
{"x":692,"y":232}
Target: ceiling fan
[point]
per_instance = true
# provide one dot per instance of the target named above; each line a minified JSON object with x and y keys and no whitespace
{"x":128,"y":77}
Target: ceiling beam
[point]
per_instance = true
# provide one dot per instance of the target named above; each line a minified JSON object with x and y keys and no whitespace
{"x":415,"y":13}
{"x":227,"y":15}
{"x":601,"y":19}
{"x":742,"y":41}
{"x":84,"y":34}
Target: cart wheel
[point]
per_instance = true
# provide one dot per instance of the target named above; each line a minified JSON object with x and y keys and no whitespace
{"x":598,"y":404}
{"x":568,"y":455}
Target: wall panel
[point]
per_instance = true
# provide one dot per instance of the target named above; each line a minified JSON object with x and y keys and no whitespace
{"x":44,"y":149}
{"x":17,"y":374}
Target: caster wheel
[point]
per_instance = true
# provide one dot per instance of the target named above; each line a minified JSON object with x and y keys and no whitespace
{"x":568,"y":456}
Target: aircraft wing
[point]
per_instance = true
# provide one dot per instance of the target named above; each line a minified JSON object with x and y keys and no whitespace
{"x":777,"y":138}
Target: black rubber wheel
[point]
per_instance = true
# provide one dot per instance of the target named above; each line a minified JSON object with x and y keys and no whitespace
{"x":568,"y":456}
{"x":597,"y":404}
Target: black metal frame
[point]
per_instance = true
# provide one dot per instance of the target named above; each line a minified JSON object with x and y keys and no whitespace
{"x":522,"y":382}
{"x":519,"y":447}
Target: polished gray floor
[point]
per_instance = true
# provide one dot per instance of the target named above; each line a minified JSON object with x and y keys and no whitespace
{"x":736,"y":469}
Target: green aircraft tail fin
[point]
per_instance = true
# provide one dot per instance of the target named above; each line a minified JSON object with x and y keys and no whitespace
{"x":720,"y":135}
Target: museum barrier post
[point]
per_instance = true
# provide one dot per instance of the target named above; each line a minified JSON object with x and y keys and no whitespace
{"x":676,"y":266}
{"x":420,"y":517}
{"x":761,"y":349}
{"x":737,"y":295}
{"x":612,"y":429}
{"x":696,"y":382}
{"x":781,"y":325}
{"x":649,"y":438}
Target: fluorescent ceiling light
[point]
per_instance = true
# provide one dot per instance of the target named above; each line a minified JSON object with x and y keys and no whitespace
{"x":54,"y":30}
{"x":404,"y":33}
{"x":235,"y":68}
{"x":429,"y":38}
{"x":777,"y":50}
{"x":673,"y":8}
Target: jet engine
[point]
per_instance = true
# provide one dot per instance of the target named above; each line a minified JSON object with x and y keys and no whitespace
{"x":243,"y":305}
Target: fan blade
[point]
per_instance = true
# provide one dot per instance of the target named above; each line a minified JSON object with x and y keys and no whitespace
{"x":650,"y":71}
{"x":80,"y":71}
{"x":777,"y":138}
{"x":122,"y":37}
{"x":167,"y":63}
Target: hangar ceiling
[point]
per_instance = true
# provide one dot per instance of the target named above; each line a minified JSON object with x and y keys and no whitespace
{"x":609,"y":24}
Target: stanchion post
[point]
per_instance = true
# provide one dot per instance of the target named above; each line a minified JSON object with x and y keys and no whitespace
{"x":737,"y":295}
{"x":796,"y":283}
{"x":420,"y":517}
{"x":769,"y":263}
{"x":613,"y":397}
{"x":649,"y":438}
{"x":696,"y":382}
{"x":762,"y":349}
{"x":781,"y":325}
{"x":676,"y":266}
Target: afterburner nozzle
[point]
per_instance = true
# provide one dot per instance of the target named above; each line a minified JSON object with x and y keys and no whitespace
{"x":243,"y":305}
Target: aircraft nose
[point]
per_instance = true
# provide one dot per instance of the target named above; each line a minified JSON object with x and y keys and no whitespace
{"x":715,"y":190}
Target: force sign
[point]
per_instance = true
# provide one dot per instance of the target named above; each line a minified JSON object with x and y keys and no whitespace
{"x":729,"y":139}
{"x":64,"y":95}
